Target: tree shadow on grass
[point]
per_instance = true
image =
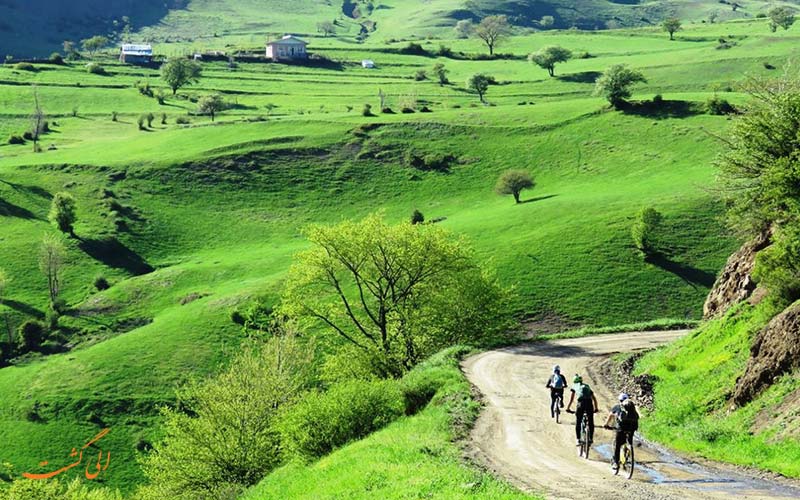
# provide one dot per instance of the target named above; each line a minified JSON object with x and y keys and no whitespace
{"x":582,"y":77}
{"x":663,"y":109}
{"x":689,"y":274}
{"x":538,"y":198}
{"x":23,"y":308}
{"x":113,"y":253}
{"x":29,"y":190}
{"x":8,"y":209}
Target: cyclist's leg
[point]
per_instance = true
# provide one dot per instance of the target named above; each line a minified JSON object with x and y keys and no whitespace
{"x":590,"y":413}
{"x":578,"y":417}
{"x":553,"y":403}
{"x":619,"y":439}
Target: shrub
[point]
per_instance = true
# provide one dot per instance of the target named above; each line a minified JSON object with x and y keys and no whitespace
{"x":183,"y":120}
{"x":644,"y":230}
{"x":421,"y":75}
{"x":24,"y":66}
{"x":413,"y":49}
{"x":144,"y":89}
{"x":387,"y":111}
{"x":30,"y":335}
{"x":51,"y":318}
{"x":444,"y":51}
{"x":407,"y":110}
{"x":95,"y":69}
{"x":719,"y":106}
{"x":114,"y":116}
{"x":417,"y":217}
{"x":150,"y":117}
{"x":658,"y":99}
{"x":27,"y":135}
{"x":161,"y":97}
{"x":367,"y":111}
{"x":101,"y":283}
{"x":56,"y":58}
{"x":141,"y":121}
{"x":163,"y":118}
{"x":16,"y":139}
{"x":425,"y":109}
{"x":322,"y":422}
{"x":768,"y":65}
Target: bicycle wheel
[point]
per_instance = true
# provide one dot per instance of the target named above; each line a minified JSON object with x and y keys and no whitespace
{"x":629,"y":461}
{"x":585,"y":437}
{"x":558,"y":410}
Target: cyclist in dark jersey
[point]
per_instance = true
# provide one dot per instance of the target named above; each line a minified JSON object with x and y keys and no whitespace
{"x":587,"y":404}
{"x":626,"y":421}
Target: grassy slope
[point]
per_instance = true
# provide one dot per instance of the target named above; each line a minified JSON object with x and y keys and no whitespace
{"x":696,"y":377}
{"x":214,"y":224}
{"x":412,"y":458}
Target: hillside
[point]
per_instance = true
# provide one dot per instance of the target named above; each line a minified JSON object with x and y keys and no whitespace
{"x":27,"y":33}
{"x":191,"y":221}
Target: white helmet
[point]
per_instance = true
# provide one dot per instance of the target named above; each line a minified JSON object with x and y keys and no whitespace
{"x":556,"y":369}
{"x":623,"y":397}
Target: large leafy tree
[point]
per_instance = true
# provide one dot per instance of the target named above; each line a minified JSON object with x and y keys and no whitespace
{"x":396,"y":293}
{"x":95,"y":43}
{"x":479,"y":83}
{"x":780,"y":17}
{"x":492,"y":29}
{"x":548,"y":57}
{"x":616,"y":82}
{"x":760,"y":177}
{"x":180,"y":72}
{"x":63,"y":213}
{"x":211,"y":105}
{"x":513,"y":182}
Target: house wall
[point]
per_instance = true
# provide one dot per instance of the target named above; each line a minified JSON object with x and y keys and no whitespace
{"x":287,"y":51}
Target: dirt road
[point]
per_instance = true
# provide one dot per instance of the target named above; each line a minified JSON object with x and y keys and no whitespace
{"x":516,"y":438}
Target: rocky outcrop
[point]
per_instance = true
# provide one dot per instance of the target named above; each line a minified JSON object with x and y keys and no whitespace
{"x":735,"y":283}
{"x":775,"y":351}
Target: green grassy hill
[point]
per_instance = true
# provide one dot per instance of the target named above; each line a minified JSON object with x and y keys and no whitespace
{"x":189,"y":221}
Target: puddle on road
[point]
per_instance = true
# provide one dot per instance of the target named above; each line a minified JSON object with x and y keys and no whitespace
{"x":667,"y":468}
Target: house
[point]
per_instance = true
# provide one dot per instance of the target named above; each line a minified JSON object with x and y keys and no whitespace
{"x":287,"y":48}
{"x":136,"y":53}
{"x":368,"y":64}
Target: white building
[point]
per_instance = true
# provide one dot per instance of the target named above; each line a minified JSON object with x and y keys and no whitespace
{"x":287,"y":48}
{"x":132,"y":53}
{"x":368,"y":63}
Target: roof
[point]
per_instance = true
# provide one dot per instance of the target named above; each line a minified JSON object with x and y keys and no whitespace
{"x":288,"y":39}
{"x":137,"y":50}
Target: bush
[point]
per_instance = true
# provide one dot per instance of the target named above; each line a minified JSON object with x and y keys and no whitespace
{"x":141,"y":121}
{"x":719,"y":106}
{"x":444,"y":51}
{"x":31,"y":335}
{"x":95,"y":69}
{"x":644,"y":229}
{"x":387,"y":111}
{"x":413,"y":49}
{"x":658,"y":99}
{"x":16,"y":139}
{"x":101,"y":283}
{"x":367,"y":111}
{"x":56,"y":58}
{"x":421,"y":75}
{"x":417,"y":217}
{"x":144,"y":89}
{"x":406,"y":110}
{"x":150,"y":117}
{"x":27,"y":135}
{"x":322,"y":422}
{"x":183,"y":120}
{"x":24,"y":66}
{"x":114,"y":115}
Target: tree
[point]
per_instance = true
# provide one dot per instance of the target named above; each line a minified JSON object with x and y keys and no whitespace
{"x":548,"y":57}
{"x":69,"y":50}
{"x":211,"y":105}
{"x":644,"y":230}
{"x":326,"y":28}
{"x":781,"y":17}
{"x":441,"y":73}
{"x":760,"y":178}
{"x":63,"y":213}
{"x":615,"y":83}
{"x":93,"y":44}
{"x":227,"y":439}
{"x":513,"y":182}
{"x":37,"y":120}
{"x":396,"y":293}
{"x":30,"y":335}
{"x":464,"y":28}
{"x":417,"y":217}
{"x":492,"y":29}
{"x":180,"y":72}
{"x":51,"y":262}
{"x":671,"y":25}
{"x":547,"y":22}
{"x":479,"y":83}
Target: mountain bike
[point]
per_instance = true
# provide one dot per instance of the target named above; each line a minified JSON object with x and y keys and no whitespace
{"x":626,"y":460}
{"x":584,"y":444}
{"x":555,"y":407}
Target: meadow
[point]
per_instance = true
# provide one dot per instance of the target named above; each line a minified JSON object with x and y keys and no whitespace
{"x":208,"y":215}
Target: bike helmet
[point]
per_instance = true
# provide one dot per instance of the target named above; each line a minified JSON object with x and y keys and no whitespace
{"x":577,"y":380}
{"x":556,"y":369}
{"x":623,"y":397}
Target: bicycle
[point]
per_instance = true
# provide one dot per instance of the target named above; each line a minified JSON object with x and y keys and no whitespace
{"x":584,"y":444}
{"x":627,"y":462}
{"x":555,"y":407}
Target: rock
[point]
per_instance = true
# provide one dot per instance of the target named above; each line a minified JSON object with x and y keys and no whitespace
{"x":735,"y":282}
{"x":776,"y":351}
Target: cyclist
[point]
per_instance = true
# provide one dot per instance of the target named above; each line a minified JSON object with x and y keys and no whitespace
{"x":626,"y":421}
{"x":556,"y":383}
{"x":587,"y":404}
